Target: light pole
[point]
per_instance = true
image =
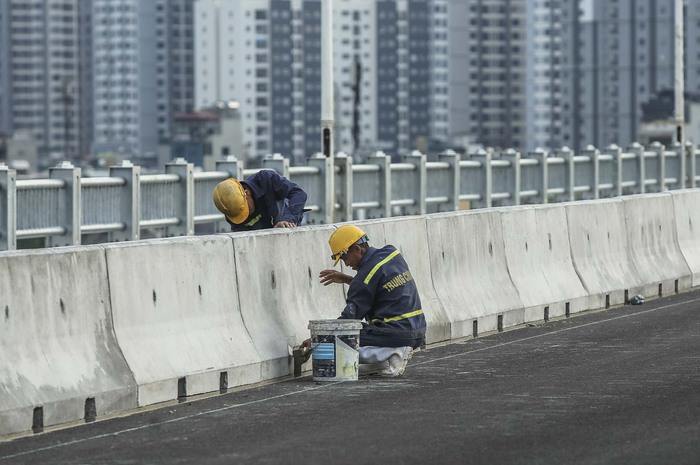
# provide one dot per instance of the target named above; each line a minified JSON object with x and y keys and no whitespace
{"x":327,"y":94}
{"x":679,"y":82}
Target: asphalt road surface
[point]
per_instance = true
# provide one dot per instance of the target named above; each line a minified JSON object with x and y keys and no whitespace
{"x":620,"y":386}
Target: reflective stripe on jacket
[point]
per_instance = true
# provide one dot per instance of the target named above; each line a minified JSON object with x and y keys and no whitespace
{"x":384,"y":294}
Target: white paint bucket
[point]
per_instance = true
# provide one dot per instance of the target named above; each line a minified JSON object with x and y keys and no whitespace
{"x":334,"y":345}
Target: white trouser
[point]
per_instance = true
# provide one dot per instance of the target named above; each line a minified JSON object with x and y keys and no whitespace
{"x":375,"y":354}
{"x":386,"y":361}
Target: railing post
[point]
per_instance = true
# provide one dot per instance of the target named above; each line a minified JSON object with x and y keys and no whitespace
{"x":343,"y":186}
{"x":278,"y":163}
{"x":184,"y":197}
{"x":324,"y":165}
{"x":129,"y":201}
{"x":568,"y":155}
{"x":8,"y":208}
{"x":638,"y":151}
{"x":514,"y":158}
{"x":232,"y":166}
{"x":452,"y":158}
{"x":680,"y":171}
{"x":594,"y":154}
{"x":69,"y":205}
{"x":541,"y":180}
{"x":484,"y":157}
{"x":660,"y":176}
{"x":691,"y":166}
{"x":616,"y":153}
{"x":420,"y":186}
{"x":384,"y":162}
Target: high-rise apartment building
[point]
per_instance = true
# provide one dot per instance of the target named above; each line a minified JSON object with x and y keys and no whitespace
{"x":488,"y":69}
{"x":142,"y":72}
{"x":544,"y":65}
{"x":625,"y":55}
{"x":576,"y":62}
{"x":5,"y":83}
{"x":233,"y":63}
{"x":180,"y":34}
{"x":412,"y":74}
{"x":40,"y":75}
{"x":112,"y":74}
{"x":692,"y":47}
{"x":84,"y":91}
{"x":390,"y":71}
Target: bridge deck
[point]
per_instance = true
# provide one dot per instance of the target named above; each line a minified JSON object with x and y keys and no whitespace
{"x":616,"y":386}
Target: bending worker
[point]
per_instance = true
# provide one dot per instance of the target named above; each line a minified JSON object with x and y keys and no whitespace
{"x":263,"y":200}
{"x":384,"y":294}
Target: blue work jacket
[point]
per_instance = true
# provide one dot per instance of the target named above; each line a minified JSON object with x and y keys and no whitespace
{"x":384,"y":293}
{"x":276,"y":199}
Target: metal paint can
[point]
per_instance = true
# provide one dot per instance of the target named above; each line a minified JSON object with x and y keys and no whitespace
{"x":335,"y":349}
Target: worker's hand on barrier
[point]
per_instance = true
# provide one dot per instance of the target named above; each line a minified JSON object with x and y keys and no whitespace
{"x":333,"y":276}
{"x":305,"y":350}
{"x":285,"y":224}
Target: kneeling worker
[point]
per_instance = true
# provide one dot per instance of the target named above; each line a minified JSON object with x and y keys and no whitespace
{"x":262,"y":200}
{"x":384,"y":294}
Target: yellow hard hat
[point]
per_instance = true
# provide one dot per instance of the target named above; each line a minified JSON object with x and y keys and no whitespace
{"x":343,"y":238}
{"x":230,"y":199}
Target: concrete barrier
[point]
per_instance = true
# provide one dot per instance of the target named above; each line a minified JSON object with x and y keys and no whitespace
{"x":653,"y":244}
{"x":686,"y":205}
{"x":87,"y":331}
{"x":59,"y":360}
{"x":177,"y":318}
{"x":409,"y":235}
{"x":469,"y":271}
{"x":600,"y":250}
{"x":279,"y":290}
{"x":538,"y":254}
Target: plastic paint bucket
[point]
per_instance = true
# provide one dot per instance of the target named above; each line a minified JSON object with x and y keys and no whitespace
{"x":334,"y":345}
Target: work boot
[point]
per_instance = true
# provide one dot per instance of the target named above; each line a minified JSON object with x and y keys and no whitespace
{"x":397,"y":362}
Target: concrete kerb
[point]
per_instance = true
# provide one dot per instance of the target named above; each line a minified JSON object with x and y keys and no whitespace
{"x":279,"y":290}
{"x":538,"y":254}
{"x":653,"y":244}
{"x":686,"y":205}
{"x":600,"y":250}
{"x":59,"y":359}
{"x":470,"y":274}
{"x":176,"y":317}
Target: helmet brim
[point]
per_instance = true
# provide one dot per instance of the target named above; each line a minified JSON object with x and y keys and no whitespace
{"x":242,"y":216}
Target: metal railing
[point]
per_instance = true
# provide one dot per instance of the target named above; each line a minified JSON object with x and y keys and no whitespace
{"x":66,"y":207}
